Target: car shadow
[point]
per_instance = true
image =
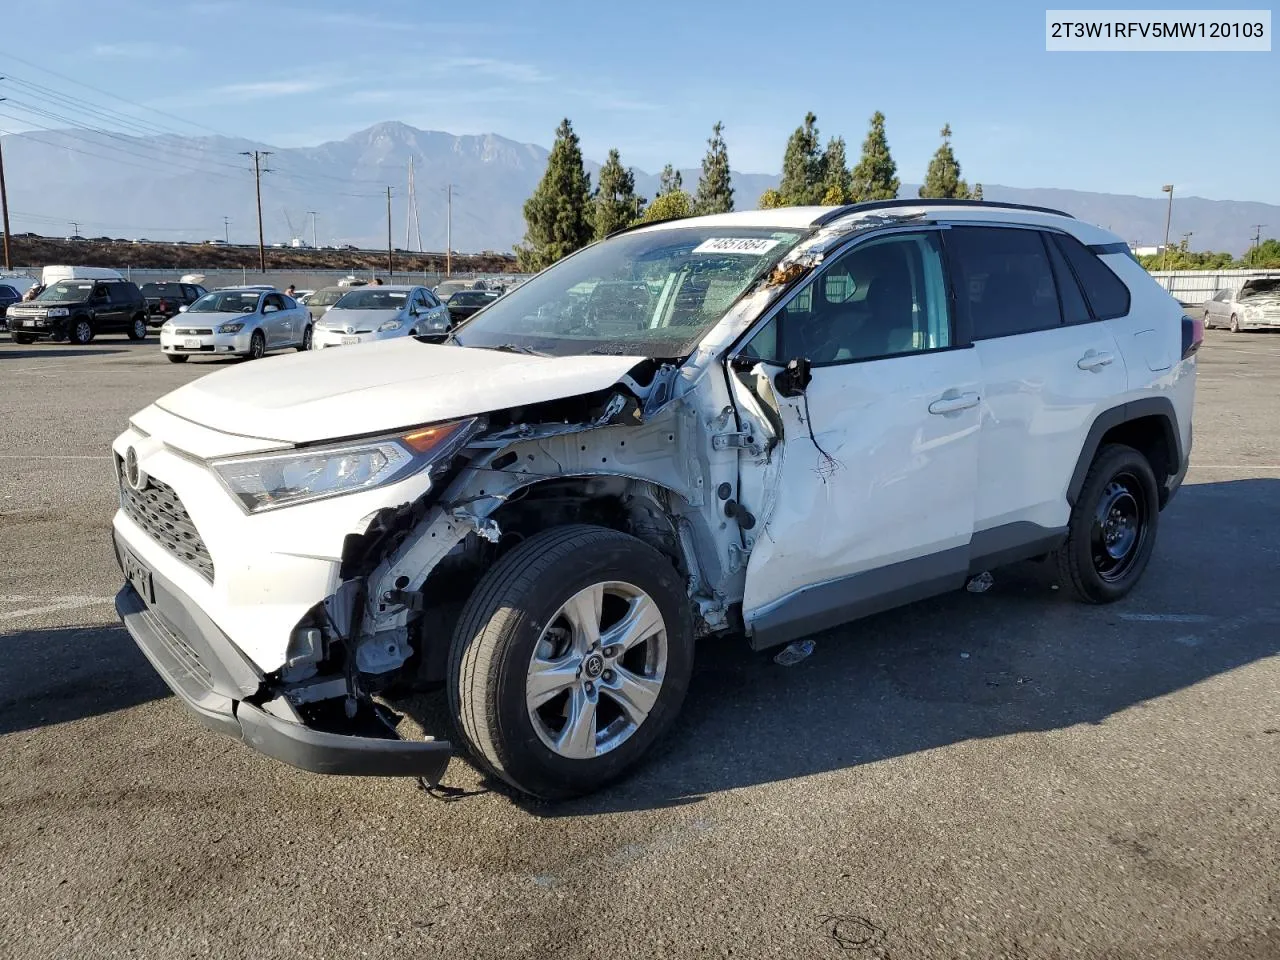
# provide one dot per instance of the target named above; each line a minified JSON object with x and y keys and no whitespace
{"x":62,"y":674}
{"x":52,"y":351}
{"x":1022,"y":657}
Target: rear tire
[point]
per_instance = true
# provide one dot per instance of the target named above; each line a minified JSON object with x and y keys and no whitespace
{"x":522,"y":620}
{"x":306,"y":339}
{"x":138,"y":329}
{"x":1235,"y":324}
{"x":176,"y":357}
{"x":1112,"y":529}
{"x":257,"y":345}
{"x":80,"y":331}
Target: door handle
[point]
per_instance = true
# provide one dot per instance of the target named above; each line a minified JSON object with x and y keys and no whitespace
{"x":1093,"y":360}
{"x":954,"y":403}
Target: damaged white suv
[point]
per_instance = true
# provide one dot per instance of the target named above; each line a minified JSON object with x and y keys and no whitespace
{"x":768,"y":422}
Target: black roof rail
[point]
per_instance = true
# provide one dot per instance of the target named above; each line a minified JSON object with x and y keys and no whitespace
{"x":848,"y":208}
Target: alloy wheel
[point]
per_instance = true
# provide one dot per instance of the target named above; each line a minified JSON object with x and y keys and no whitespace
{"x":83,"y":332}
{"x":597,"y":670}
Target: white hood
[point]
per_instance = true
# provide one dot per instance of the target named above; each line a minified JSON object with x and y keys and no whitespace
{"x":379,"y":387}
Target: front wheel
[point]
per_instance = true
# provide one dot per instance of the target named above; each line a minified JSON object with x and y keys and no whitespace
{"x":1112,"y":529}
{"x":257,"y":345}
{"x":138,"y":329}
{"x":571,"y":657}
{"x":1235,"y":324}
{"x":1208,"y":322}
{"x":81,"y":331}
{"x":176,"y":357}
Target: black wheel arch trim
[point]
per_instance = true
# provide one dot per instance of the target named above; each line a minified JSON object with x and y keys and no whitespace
{"x":1161,"y":407}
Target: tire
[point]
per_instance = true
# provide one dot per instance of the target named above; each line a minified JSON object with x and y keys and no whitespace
{"x":22,"y":338}
{"x":80,"y":331}
{"x":1235,"y":324}
{"x":517,"y":611}
{"x":176,"y":357}
{"x":1208,"y":323}
{"x":138,"y":328}
{"x":257,"y":345}
{"x":1119,"y":489}
{"x":306,"y":340}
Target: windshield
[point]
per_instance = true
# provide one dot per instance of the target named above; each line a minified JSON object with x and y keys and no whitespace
{"x":325,"y":298}
{"x":1256,"y":288}
{"x":649,"y":293}
{"x":371,"y":298}
{"x":226,"y":301}
{"x":472,"y":298}
{"x":68,"y":290}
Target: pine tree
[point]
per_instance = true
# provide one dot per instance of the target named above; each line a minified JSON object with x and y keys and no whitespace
{"x":715,"y":192}
{"x":669,"y":180}
{"x":615,"y":202}
{"x":942,"y":180}
{"x":977,"y":191}
{"x":558,"y":216}
{"x":837,"y":185}
{"x":802,"y":166}
{"x":876,"y":175}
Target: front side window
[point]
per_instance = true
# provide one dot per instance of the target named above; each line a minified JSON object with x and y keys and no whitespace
{"x":227,"y":301}
{"x":653,"y":292}
{"x":1004,"y":284}
{"x":883,"y":298}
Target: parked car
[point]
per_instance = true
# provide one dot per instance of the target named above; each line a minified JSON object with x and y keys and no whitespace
{"x":79,"y":310}
{"x":447,"y":288}
{"x":781,"y":421}
{"x":1256,"y":305}
{"x":381,"y":313}
{"x":302,"y":296}
{"x":466,"y":302}
{"x":165,"y":298}
{"x":9,"y":295}
{"x":236,"y":322}
{"x":319,"y":302}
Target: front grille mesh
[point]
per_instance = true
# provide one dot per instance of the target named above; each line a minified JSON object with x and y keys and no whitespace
{"x":158,"y":511}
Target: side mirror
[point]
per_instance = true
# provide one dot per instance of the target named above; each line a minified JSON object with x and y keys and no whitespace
{"x":183,"y":308}
{"x":794,"y":378}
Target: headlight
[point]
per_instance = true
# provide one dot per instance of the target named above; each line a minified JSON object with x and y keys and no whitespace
{"x":390,"y":325}
{"x":231,"y":327}
{"x":281,"y":480}
{"x":58,"y":312}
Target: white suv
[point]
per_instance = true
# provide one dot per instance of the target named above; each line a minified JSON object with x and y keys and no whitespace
{"x":767,"y":422}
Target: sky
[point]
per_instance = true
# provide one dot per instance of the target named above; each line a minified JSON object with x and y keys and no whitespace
{"x":651,"y":78}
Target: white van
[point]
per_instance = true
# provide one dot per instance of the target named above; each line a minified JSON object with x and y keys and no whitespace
{"x":52,"y":275}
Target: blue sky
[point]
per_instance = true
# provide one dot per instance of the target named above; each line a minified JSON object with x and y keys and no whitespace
{"x":650,"y":78}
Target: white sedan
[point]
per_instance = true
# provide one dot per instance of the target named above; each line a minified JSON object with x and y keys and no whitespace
{"x":365,"y":314}
{"x":236,"y":322}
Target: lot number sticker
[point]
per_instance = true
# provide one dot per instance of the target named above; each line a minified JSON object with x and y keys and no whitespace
{"x":750,"y":246}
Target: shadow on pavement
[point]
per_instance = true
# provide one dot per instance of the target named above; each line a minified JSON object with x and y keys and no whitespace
{"x":46,"y":353}
{"x":66,"y":673}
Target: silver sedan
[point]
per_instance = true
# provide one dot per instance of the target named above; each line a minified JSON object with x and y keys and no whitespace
{"x":236,"y":322}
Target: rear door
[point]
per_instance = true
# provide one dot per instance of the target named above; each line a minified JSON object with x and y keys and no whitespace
{"x":1048,"y":366}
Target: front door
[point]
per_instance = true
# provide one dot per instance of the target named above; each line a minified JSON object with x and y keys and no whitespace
{"x":276,"y":320}
{"x":867,"y":499}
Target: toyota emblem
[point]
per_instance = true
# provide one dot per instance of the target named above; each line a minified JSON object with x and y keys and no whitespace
{"x":131,"y":472}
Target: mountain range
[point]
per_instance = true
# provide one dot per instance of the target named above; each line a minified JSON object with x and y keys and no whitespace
{"x":182,"y":188}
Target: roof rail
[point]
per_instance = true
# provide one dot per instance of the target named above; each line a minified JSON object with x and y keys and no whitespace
{"x":848,"y":208}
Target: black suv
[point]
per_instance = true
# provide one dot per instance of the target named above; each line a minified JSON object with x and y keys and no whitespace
{"x":166,"y":296}
{"x":78,"y":310}
{"x":9,"y":295}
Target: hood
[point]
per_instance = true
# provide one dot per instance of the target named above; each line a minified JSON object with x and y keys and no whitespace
{"x":359,"y":319}
{"x":380,"y":387}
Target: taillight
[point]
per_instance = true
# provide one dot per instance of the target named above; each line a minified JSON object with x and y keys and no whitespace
{"x":164,"y":305}
{"x":1192,"y":335}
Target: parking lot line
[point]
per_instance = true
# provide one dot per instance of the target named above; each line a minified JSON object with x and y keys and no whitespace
{"x":55,"y":456}
{"x":57,"y":604}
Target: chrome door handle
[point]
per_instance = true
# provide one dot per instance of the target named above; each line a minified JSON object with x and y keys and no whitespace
{"x":1094,"y":360}
{"x":954,"y":403}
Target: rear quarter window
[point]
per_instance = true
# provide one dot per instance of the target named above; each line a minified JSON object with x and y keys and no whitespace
{"x":1106,"y":293}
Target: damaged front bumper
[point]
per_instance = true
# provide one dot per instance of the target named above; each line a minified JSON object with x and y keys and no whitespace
{"x":219,"y":684}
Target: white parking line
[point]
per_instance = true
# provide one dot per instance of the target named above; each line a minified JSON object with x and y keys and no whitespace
{"x":57,"y":604}
{"x":54,"y":456}
{"x":1167,"y":617}
{"x":1235,"y":466}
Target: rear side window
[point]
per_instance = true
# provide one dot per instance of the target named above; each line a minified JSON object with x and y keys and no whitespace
{"x":1003,"y":281}
{"x":1074,"y":309}
{"x":1107,"y":295}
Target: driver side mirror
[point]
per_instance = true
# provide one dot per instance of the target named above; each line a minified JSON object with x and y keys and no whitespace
{"x":183,"y":308}
{"x":794,"y":377}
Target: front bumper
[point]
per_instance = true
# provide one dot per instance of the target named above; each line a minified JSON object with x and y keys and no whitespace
{"x":207,"y":344}
{"x":215,"y":682}
{"x":322,"y":337}
{"x":39,"y":327}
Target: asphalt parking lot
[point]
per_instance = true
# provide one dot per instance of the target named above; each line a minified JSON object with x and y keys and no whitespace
{"x":999,"y":775}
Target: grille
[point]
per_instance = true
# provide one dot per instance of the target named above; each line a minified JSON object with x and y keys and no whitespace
{"x":158,"y":511}
{"x":195,"y":332}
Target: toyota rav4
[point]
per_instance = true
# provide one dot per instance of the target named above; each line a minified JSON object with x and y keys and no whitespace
{"x":767,"y":423}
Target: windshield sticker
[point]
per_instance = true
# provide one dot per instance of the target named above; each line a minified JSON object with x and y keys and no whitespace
{"x":748,"y":246}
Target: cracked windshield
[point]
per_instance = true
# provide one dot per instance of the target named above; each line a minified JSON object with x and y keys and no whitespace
{"x":651,"y":293}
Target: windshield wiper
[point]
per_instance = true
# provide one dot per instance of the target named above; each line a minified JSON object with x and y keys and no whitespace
{"x":517,"y":348}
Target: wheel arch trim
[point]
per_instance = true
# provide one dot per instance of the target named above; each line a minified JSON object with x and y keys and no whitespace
{"x":1160,"y":407}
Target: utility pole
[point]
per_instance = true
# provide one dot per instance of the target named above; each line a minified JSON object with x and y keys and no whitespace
{"x":390,"y":264}
{"x":4,"y":208}
{"x":314,"y":243}
{"x":226,"y":230}
{"x":1164,"y":261}
{"x":257,"y":180}
{"x":75,"y":228}
{"x":1253,"y":254}
{"x":448,"y":235}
